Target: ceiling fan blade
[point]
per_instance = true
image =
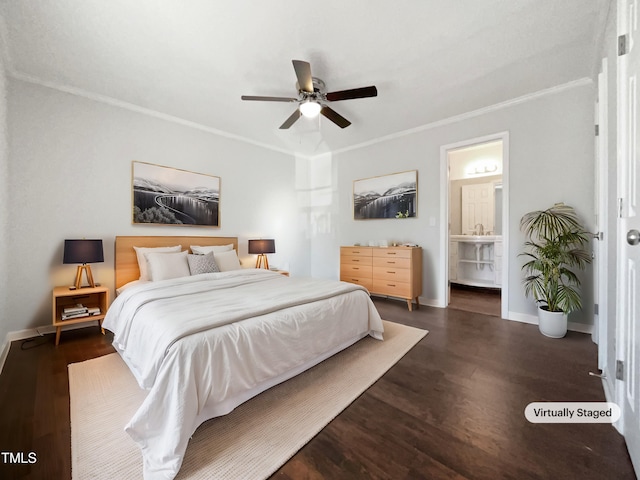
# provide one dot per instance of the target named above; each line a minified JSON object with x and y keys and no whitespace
{"x":363,"y":92}
{"x":268,"y":99}
{"x":335,"y":117}
{"x":303,"y":72}
{"x":291,"y":120}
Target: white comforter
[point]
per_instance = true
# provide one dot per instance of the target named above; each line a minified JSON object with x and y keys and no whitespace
{"x":202,"y":345}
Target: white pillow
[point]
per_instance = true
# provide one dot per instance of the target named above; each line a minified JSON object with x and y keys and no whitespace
{"x":163,"y":266}
{"x":198,"y":250}
{"x":227,"y":261}
{"x":142,"y":261}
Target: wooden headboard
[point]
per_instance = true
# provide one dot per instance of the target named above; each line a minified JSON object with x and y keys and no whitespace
{"x":127,"y":262}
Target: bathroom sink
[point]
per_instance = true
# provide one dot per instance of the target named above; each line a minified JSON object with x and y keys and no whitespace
{"x":476,"y":238}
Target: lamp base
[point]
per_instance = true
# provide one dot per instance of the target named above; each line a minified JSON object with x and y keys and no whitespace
{"x":87,"y":270}
{"x":262,"y":262}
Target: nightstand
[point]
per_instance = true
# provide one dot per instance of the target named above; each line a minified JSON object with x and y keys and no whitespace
{"x":282,"y":272}
{"x":90,"y":297}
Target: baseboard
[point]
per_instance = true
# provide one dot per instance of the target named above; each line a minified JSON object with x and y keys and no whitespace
{"x":29,"y":333}
{"x":533,"y":320}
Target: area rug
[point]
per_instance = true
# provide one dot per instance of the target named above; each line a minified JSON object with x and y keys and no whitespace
{"x":251,"y":442}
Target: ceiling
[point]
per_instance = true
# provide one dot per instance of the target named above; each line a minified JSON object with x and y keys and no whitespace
{"x":192,"y":60}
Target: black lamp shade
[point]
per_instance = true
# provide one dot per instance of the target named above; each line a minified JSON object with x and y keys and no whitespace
{"x":83,"y":251}
{"x":262,"y":246}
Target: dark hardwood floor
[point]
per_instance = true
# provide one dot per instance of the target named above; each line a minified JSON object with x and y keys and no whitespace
{"x":452,"y":408}
{"x":474,"y":299}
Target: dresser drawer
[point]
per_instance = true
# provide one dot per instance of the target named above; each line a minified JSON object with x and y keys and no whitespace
{"x":356,"y":251}
{"x":392,"y":252}
{"x":393,"y":262}
{"x":392,"y":288}
{"x":355,"y":260}
{"x":356,"y":270}
{"x":365,"y":282}
{"x":389,"y":273}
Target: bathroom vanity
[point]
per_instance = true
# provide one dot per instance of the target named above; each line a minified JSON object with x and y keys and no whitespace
{"x":476,"y":260}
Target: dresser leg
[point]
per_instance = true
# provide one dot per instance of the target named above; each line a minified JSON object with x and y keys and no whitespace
{"x":417,"y":303}
{"x":410,"y":305}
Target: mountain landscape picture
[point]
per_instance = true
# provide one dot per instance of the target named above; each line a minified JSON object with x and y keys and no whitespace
{"x":388,"y":196}
{"x":169,"y":196}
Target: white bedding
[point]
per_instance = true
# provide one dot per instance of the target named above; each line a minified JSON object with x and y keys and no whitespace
{"x":202,"y":345}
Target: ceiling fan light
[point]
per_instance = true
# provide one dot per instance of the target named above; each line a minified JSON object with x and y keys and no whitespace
{"x":310,"y":108}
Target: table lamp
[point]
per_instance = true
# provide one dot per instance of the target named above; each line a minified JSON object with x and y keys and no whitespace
{"x":262,"y":247}
{"x":84,"y":252}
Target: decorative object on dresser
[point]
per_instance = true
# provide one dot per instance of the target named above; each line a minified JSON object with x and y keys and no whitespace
{"x":83,"y":252}
{"x":387,"y":196}
{"x":170,"y":196}
{"x":261,"y":248}
{"x":390,"y":271}
{"x":78,"y":306}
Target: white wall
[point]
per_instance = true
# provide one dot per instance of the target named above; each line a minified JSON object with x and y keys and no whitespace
{"x":4,"y":203}
{"x":70,"y":177}
{"x":551,"y":159}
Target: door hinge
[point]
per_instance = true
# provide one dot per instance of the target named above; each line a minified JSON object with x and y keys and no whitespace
{"x":622,"y":45}
{"x":597,"y":130}
{"x":619,"y":370}
{"x":620,"y":207}
{"x":596,"y":308}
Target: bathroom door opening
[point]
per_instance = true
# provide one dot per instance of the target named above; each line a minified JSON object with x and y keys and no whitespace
{"x":475,"y":234}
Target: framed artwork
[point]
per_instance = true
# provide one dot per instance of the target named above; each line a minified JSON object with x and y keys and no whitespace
{"x":387,"y":196}
{"x":170,"y":196}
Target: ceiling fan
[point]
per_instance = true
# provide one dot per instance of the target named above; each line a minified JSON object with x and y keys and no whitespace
{"x":312,"y":96}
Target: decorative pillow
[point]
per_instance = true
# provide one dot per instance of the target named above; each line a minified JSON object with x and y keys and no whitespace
{"x":163,"y":266}
{"x":142,"y":261}
{"x":211,"y":248}
{"x":202,"y":264}
{"x":227,"y":261}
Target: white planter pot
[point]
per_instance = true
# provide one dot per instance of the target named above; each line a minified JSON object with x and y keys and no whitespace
{"x":552,"y":324}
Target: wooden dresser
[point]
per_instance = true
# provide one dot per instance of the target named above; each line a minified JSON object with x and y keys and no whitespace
{"x":391,"y":271}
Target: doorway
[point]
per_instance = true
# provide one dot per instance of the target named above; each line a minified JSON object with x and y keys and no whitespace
{"x":475,"y":231}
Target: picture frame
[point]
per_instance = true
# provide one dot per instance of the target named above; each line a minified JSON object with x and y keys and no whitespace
{"x":387,"y":196}
{"x":172,"y":196}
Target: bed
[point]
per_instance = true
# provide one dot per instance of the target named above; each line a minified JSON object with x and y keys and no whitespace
{"x":203,"y":344}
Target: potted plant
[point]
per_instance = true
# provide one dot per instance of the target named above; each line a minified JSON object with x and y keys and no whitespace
{"x":555,"y":244}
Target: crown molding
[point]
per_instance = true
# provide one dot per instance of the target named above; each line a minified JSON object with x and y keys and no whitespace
{"x":473,"y":113}
{"x":138,"y":109}
{"x":187,"y":123}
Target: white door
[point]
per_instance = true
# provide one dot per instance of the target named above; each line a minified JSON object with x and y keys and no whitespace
{"x":628,"y":338}
{"x":477,"y":207}
{"x":600,"y":245}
